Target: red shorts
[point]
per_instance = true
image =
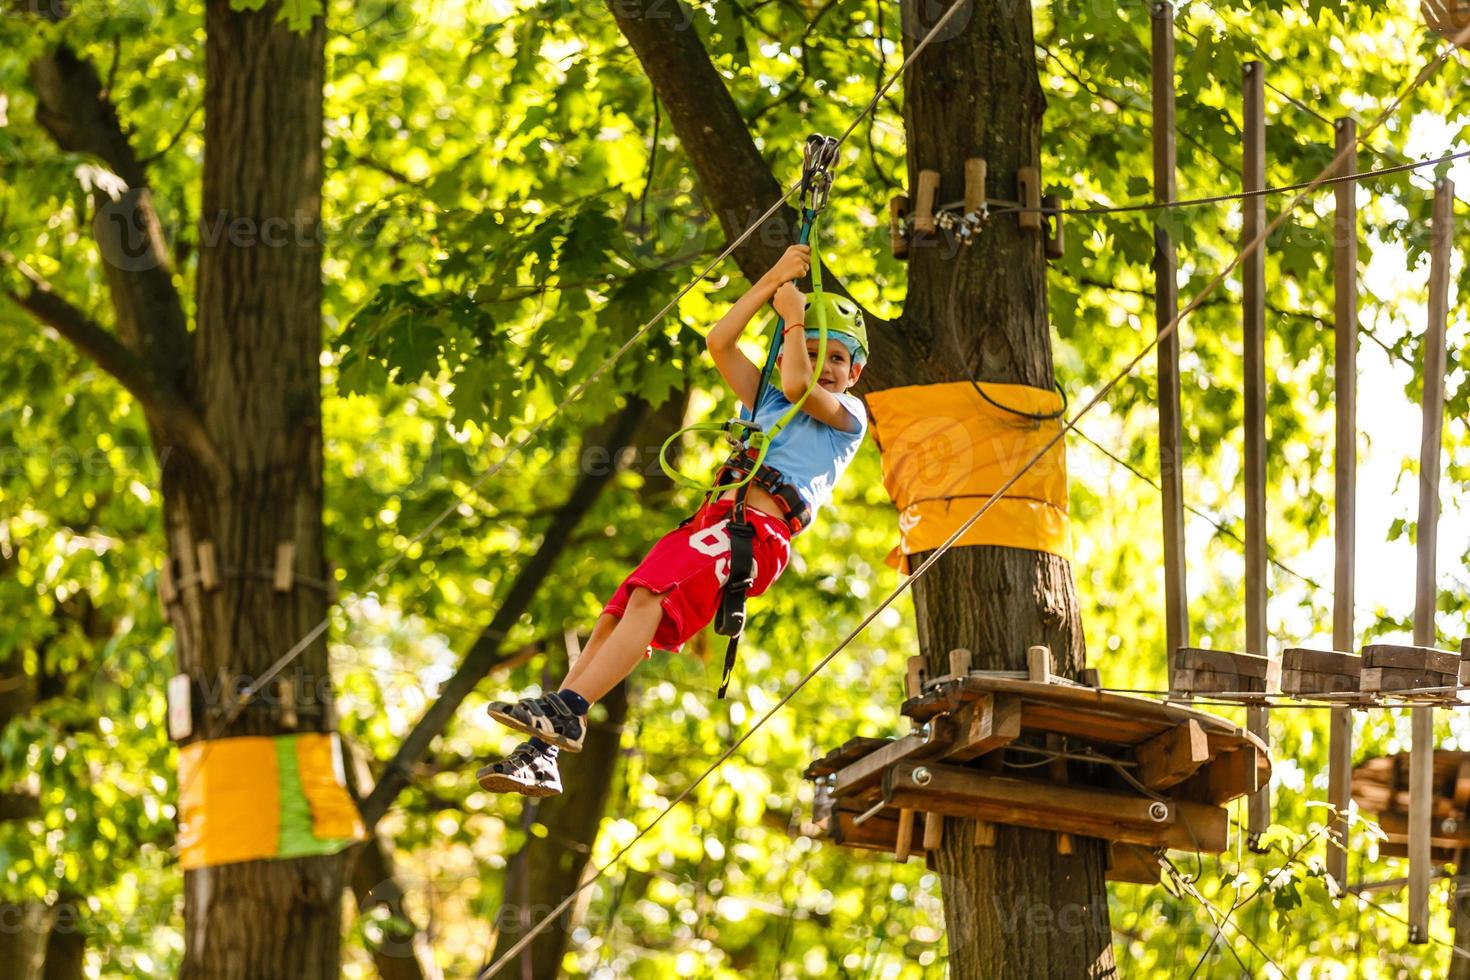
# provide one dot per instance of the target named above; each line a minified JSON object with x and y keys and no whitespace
{"x":689,"y":566}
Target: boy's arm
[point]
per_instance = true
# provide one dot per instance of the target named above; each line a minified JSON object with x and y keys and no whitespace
{"x":739,"y":372}
{"x":796,"y":374}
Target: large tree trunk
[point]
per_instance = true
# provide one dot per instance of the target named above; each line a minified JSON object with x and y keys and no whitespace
{"x":256,"y":383}
{"x":1019,"y":909}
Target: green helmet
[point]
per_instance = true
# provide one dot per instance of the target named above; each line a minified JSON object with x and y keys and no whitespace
{"x":844,"y":324}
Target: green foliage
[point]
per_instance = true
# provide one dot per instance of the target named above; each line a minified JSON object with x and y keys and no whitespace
{"x":498,"y":226}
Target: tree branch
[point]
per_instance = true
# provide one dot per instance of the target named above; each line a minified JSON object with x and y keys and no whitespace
{"x":732,"y":174}
{"x":165,"y":408}
{"x":73,"y":107}
{"x":487,"y":653}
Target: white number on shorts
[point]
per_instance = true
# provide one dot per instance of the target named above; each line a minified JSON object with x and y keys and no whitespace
{"x":712,"y":541}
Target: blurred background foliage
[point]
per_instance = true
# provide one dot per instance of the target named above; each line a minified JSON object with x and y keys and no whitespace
{"x":503,"y":210}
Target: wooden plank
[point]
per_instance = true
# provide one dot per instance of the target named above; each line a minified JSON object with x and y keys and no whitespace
{"x":1305,"y":683}
{"x":1169,"y":759}
{"x":1214,"y":682}
{"x":868,"y":771}
{"x":877,"y":833}
{"x":1086,"y":811}
{"x":1424,"y":659}
{"x":1133,"y":864}
{"x":849,"y":751}
{"x":1377,"y":680}
{"x":983,"y":726}
{"x":984,"y":833}
{"x":1321,"y":661}
{"x":1166,"y":308}
{"x":1077,"y":710}
{"x":1225,"y":662}
{"x":1445,"y":832}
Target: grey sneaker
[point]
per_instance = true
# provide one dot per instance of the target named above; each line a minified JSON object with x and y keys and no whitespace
{"x":546,"y":717}
{"x":528,"y":770}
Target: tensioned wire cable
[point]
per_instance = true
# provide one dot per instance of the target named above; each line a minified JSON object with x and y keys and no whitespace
{"x":301,"y":645}
{"x":286,"y":659}
{"x":1255,"y":244}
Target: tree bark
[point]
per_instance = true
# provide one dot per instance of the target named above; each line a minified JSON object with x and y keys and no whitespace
{"x":1018,"y":909}
{"x":547,"y":869}
{"x":255,"y":369}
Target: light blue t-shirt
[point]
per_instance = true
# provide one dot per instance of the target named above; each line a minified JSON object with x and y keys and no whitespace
{"x":811,"y":454}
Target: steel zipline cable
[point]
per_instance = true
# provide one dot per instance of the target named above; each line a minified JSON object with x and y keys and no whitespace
{"x":1256,"y":243}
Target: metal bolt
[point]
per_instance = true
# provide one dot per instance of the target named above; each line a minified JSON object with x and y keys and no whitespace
{"x":922,"y":776}
{"x":1158,"y":811}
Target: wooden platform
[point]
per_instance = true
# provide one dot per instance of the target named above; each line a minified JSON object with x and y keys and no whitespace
{"x":1381,"y":787}
{"x":1044,"y":754}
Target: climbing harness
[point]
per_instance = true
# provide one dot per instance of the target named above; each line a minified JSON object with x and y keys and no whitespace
{"x":749,"y":441}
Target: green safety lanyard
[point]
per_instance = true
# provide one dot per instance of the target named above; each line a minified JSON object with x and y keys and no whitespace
{"x":747,"y":433}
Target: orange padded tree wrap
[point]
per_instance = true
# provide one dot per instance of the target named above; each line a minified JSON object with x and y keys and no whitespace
{"x":945,"y":450}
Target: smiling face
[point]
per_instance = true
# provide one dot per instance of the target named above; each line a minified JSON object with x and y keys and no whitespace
{"x":838,"y":373}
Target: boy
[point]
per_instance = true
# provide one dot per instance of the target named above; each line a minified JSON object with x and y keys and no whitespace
{"x":675,"y":591}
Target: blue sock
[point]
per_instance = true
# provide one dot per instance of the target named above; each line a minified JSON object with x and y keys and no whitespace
{"x":575,"y":701}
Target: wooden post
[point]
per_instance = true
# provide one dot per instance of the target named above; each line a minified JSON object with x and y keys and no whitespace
{"x":208,"y":568}
{"x":1166,"y":306}
{"x":1028,"y":192}
{"x":1421,"y":758}
{"x":1038,"y":664}
{"x":924,"y":203}
{"x":285,"y":573}
{"x":1253,"y":272}
{"x":898,"y":212}
{"x":1345,"y":470}
{"x":905,"y":843}
{"x":975,"y":168}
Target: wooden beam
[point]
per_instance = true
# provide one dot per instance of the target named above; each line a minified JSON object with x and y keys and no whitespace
{"x":1345,"y":477}
{"x":1028,"y":192}
{"x":985,"y":725}
{"x":1253,"y":276}
{"x":1421,"y":802}
{"x":1133,"y":864}
{"x":1085,"y":811}
{"x":984,"y":833}
{"x":1426,"y":592}
{"x":868,"y":771}
{"x":1166,"y":307}
{"x":1169,"y":759}
{"x":1229,"y":776}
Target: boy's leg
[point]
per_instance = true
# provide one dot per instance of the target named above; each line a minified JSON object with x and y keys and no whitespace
{"x":603,"y":665}
{"x":606,"y":623}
